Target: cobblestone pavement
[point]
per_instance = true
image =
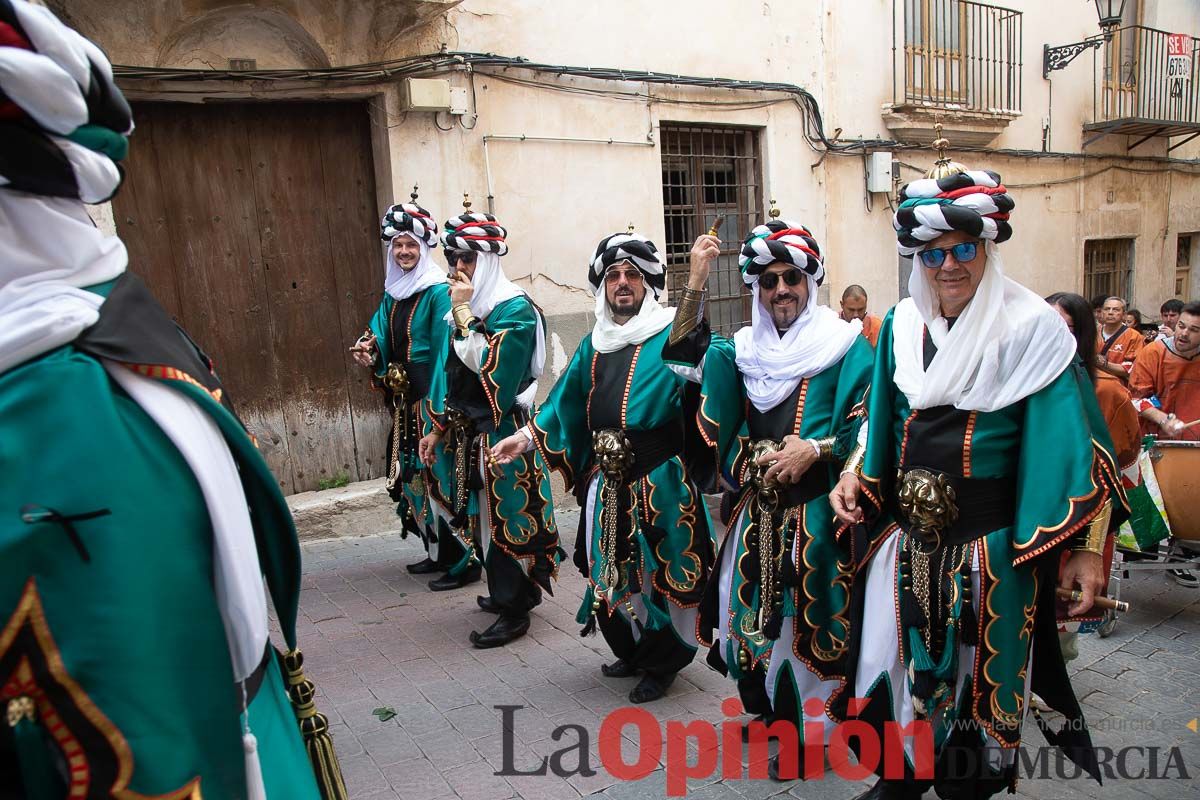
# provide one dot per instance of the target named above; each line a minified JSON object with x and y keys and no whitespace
{"x":375,"y":637}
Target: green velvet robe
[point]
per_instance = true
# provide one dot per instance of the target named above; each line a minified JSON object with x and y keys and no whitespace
{"x":519,"y":508}
{"x":126,"y":645}
{"x":631,"y":389}
{"x":413,"y":332}
{"x":1054,"y":444}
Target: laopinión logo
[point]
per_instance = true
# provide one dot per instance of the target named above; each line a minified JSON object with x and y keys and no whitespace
{"x":721,"y":744}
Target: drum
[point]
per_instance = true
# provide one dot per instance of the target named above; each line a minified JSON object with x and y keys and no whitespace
{"x":1177,"y":468}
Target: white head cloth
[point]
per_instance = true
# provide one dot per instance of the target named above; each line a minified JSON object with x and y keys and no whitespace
{"x":1006,"y":345}
{"x":773,"y":365}
{"x":402,"y":284}
{"x":608,"y":336}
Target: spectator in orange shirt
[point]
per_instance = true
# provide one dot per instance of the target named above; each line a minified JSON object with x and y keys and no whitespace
{"x":1118,"y":344}
{"x":1169,"y":370}
{"x":854,"y":306}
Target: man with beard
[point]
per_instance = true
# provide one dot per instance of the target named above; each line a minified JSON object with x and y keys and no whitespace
{"x":497,"y":351}
{"x":779,"y":409}
{"x":404,"y":344}
{"x":986,"y":457}
{"x":614,"y":426}
{"x":854,"y":306}
{"x":142,"y":529}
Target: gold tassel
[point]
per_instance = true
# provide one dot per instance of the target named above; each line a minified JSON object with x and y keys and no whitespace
{"x":315,"y":729}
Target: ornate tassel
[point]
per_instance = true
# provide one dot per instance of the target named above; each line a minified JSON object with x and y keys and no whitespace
{"x":39,"y":778}
{"x":918,"y":655}
{"x":924,"y":685}
{"x":774,"y":625}
{"x":255,"y":788}
{"x":315,"y":729}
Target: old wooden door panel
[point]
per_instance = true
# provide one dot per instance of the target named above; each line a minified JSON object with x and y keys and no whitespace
{"x":353,"y":225}
{"x":297,"y":260}
{"x":141,"y":214}
{"x":253,"y":223}
{"x":205,"y":153}
{"x":200,"y":159}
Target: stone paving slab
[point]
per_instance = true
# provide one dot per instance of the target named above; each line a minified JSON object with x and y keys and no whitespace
{"x":375,"y":636}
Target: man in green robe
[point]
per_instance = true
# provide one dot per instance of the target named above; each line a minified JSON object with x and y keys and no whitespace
{"x":404,"y":346}
{"x":139,"y":519}
{"x":496,"y":353}
{"x":986,"y":457}
{"x":614,"y":426}
{"x":780,"y":410}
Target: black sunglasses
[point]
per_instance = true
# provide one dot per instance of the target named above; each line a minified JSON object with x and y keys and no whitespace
{"x":769,"y":280}
{"x":454,"y":257}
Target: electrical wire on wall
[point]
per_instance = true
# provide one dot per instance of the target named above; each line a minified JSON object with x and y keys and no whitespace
{"x":496,"y":68}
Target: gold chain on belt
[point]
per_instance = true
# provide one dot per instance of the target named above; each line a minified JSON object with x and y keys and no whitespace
{"x":614,"y":454}
{"x":459,"y":432}
{"x":396,"y":381}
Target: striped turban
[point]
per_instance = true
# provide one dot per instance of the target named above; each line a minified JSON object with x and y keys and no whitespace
{"x":631,"y":247}
{"x":784,"y":242}
{"x":409,"y":218}
{"x":63,"y":122}
{"x":471,"y":231}
{"x":974,"y":202}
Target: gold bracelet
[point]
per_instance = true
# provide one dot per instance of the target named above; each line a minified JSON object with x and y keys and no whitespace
{"x":825,"y":448}
{"x":462,"y":315}
{"x":688,"y":315}
{"x":1092,"y":540}
{"x":855,"y":461}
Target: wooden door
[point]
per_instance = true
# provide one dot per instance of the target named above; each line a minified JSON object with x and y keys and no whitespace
{"x":255,"y":225}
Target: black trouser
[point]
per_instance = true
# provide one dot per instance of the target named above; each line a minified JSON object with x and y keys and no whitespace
{"x":510,"y":588}
{"x":752,"y":689}
{"x":450,"y":547}
{"x":658,"y":652}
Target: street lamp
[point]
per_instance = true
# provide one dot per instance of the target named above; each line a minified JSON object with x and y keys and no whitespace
{"x":1110,"y":12}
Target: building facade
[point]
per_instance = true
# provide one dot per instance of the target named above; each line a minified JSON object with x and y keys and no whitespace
{"x":272,"y":135}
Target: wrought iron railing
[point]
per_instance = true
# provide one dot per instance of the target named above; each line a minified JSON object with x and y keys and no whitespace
{"x":1140,"y":75}
{"x":958,"y":55}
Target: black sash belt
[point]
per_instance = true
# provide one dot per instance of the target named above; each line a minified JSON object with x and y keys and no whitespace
{"x":984,"y":505}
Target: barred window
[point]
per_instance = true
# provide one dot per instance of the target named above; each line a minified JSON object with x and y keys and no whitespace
{"x":709,"y":171}
{"x":1108,"y":268}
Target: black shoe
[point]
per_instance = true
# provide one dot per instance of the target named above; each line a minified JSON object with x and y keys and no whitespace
{"x":651,"y":687}
{"x":423,"y":567}
{"x":773,"y":770}
{"x":448,"y":581}
{"x":501,"y":632}
{"x":618,"y":669}
{"x":746,"y":728}
{"x":486,"y":602}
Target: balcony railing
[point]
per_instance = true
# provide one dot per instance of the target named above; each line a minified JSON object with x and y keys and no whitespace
{"x":1141,"y":87}
{"x":958,"y":55}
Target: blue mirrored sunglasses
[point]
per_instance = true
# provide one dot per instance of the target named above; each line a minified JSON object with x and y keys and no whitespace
{"x":963,"y":252}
